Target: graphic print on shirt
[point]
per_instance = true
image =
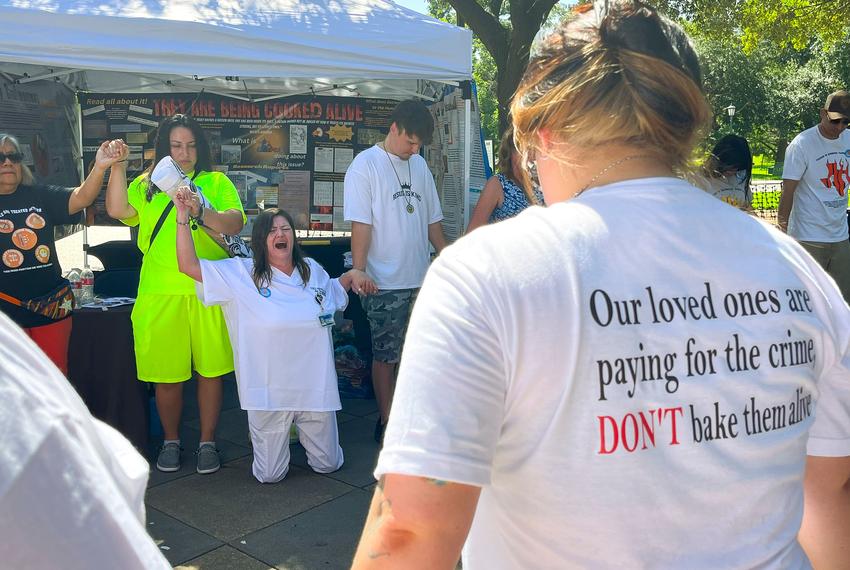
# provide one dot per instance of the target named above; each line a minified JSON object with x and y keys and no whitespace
{"x":632,"y":371}
{"x":837,"y":175}
{"x":20,"y":240}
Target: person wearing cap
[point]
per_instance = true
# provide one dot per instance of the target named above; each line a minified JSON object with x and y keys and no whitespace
{"x":815,"y":181}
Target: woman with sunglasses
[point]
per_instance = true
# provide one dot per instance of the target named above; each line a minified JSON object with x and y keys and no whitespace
{"x":727,"y":172}
{"x":29,"y":211}
{"x":636,"y":372}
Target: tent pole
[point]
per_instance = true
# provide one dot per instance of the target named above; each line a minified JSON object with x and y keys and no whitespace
{"x":83,"y":176}
{"x":467,"y":148}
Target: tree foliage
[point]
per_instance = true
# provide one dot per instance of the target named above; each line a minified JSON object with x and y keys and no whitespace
{"x":776,"y":91}
{"x":775,"y":60}
{"x":783,"y":23}
{"x":505,"y":30}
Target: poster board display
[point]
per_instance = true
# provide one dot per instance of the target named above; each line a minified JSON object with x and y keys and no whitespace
{"x":445,"y":157}
{"x":290,"y":152}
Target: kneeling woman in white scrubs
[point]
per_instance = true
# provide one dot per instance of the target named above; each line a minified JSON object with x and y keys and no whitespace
{"x":279,"y":309}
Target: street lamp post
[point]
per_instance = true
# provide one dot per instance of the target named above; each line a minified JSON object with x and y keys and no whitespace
{"x":731,"y":111}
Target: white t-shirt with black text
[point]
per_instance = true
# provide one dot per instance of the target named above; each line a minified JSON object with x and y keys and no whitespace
{"x":630,"y":387}
{"x":822,"y":166}
{"x":284,"y":357}
{"x":380,"y":189}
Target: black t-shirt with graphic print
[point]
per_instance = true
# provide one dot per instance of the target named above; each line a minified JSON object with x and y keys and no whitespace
{"x":28,"y":264}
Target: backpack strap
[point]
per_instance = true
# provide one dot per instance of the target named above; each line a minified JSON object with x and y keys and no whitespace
{"x":159,"y":223}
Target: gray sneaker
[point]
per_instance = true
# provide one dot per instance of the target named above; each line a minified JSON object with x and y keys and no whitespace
{"x":208,"y":461}
{"x":169,"y":458}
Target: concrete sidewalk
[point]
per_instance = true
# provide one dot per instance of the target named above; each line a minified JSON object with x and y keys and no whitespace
{"x":227,"y":520}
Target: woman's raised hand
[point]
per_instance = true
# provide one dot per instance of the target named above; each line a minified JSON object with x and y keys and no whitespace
{"x":110,"y":153}
{"x":183,"y":200}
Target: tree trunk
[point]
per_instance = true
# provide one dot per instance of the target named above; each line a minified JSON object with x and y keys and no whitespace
{"x":781,"y":145}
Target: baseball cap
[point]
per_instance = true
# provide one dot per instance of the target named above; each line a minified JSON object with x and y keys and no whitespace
{"x":838,"y":105}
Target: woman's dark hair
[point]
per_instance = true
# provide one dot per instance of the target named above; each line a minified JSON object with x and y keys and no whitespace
{"x":730,"y":153}
{"x":506,"y":150}
{"x":162,"y":146}
{"x":262,"y":227}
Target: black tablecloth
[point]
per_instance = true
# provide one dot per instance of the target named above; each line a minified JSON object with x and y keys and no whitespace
{"x":102,"y":368}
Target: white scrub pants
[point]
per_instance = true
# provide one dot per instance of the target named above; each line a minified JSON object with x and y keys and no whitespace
{"x":317,"y":432}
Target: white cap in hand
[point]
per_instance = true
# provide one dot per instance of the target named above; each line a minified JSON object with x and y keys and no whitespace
{"x":168,"y":176}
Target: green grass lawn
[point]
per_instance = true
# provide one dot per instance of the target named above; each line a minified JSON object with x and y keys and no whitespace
{"x":762,"y":167}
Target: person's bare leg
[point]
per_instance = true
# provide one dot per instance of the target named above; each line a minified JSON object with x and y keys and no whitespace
{"x":209,"y":404}
{"x":169,"y":405}
{"x":383,"y":381}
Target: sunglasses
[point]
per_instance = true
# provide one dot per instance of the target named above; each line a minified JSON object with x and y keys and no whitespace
{"x":836,"y":121}
{"x":15,"y":157}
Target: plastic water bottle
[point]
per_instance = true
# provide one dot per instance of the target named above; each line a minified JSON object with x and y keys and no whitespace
{"x":76,"y":284}
{"x":86,"y":286}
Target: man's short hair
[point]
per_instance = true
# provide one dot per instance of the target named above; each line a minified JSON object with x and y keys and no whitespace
{"x":414,"y":118}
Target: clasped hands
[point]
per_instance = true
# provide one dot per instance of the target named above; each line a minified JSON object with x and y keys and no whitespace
{"x":111,"y":153}
{"x":187,"y":202}
{"x":361,"y":283}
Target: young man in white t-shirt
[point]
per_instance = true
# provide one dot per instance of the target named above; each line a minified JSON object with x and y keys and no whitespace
{"x":815,"y":182}
{"x":392,"y":204}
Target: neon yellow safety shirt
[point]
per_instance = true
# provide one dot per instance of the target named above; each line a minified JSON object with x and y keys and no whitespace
{"x":160,"y":274}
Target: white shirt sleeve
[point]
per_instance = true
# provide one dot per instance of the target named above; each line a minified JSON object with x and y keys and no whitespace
{"x":435,"y":212}
{"x":219,"y":280}
{"x":357,"y":194}
{"x":448,"y":407}
{"x":830,"y":433}
{"x":794,"y":166}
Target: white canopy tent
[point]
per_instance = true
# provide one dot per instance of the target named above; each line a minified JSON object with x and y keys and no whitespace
{"x":244,"y":48}
{"x":251,"y":50}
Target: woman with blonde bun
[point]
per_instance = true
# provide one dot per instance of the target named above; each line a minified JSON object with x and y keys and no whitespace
{"x":640,"y":376}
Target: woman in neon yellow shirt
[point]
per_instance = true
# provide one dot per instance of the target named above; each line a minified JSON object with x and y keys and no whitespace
{"x":173,"y":332}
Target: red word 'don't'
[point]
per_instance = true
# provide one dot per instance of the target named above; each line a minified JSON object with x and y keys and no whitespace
{"x":637,"y":430}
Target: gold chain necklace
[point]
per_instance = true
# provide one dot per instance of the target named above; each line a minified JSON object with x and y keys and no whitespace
{"x":405,"y":188}
{"x":617,"y":162}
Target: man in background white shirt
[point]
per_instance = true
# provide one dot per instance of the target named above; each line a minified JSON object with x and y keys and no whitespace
{"x":815,"y":182}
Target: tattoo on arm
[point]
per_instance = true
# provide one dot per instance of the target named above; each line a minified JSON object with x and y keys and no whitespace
{"x":438,"y":482}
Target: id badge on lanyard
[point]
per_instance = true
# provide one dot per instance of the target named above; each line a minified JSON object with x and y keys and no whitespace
{"x":326,"y":318}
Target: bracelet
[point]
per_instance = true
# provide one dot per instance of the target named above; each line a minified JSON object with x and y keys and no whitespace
{"x":179,"y":223}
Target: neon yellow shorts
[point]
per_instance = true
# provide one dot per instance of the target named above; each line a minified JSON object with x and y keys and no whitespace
{"x":174,"y":334}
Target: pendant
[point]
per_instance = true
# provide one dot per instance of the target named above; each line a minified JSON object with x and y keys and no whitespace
{"x":265,"y":292}
{"x":410,"y":208}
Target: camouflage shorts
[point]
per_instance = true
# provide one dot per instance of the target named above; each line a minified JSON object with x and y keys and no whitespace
{"x":388,"y":313}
